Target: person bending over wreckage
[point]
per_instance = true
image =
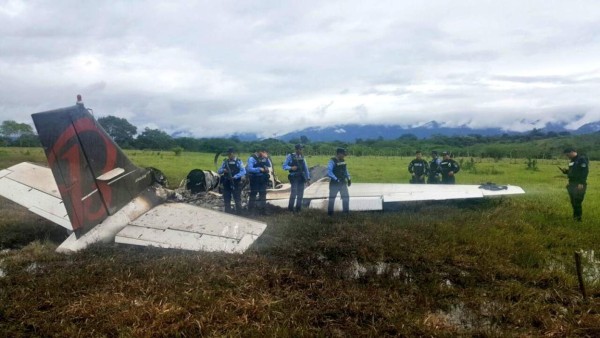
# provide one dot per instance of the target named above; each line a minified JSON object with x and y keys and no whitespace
{"x":299,"y":176}
{"x":340,"y":181}
{"x":232,"y":170}
{"x":258,"y":172}
{"x":578,"y":170}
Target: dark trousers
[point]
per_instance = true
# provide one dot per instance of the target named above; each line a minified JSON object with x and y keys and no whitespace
{"x":417,"y":179}
{"x":258,"y":192}
{"x":297,"y":194}
{"x":334,"y":189}
{"x":576,"y":195}
{"x":433,"y":179}
{"x":232,"y":189}
{"x":448,"y":179}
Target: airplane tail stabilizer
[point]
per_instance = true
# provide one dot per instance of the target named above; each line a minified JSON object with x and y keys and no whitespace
{"x":94,"y":177}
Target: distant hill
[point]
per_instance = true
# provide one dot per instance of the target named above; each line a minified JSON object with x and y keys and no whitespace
{"x":351,"y":132}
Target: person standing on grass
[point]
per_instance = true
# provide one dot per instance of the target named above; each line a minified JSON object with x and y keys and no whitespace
{"x":434,"y":169}
{"x":232,"y":170}
{"x":257,"y":168}
{"x":448,"y":167}
{"x":340,"y":181}
{"x":578,"y":170}
{"x":418,"y":168}
{"x":299,"y":175}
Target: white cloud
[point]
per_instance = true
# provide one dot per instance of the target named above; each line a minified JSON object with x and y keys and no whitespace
{"x":270,"y":67}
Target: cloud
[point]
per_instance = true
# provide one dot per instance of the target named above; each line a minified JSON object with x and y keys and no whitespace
{"x":271,"y":67}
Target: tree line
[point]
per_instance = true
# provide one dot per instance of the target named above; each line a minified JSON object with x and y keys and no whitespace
{"x":533,"y":144}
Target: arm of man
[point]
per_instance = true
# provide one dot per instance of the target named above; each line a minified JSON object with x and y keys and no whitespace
{"x":306,"y":171}
{"x":242,"y":172}
{"x":411,"y":167}
{"x":583,"y":169}
{"x":222,"y":169}
{"x":287,"y":162}
{"x":250,"y":166}
{"x":330,"y":166}
{"x":455,"y":167}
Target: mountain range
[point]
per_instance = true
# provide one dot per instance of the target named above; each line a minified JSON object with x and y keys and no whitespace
{"x":351,"y":132}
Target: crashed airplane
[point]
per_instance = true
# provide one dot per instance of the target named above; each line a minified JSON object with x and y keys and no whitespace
{"x":92,"y":189}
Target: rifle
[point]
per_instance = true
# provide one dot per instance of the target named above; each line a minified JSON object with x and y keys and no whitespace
{"x":228,"y":175}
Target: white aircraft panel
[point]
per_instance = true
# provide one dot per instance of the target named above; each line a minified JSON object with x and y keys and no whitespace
{"x":356,"y":204}
{"x":35,"y":176}
{"x":409,"y":192}
{"x":190,"y":218}
{"x":41,"y":203}
{"x":184,"y":226}
{"x":176,"y":239}
{"x":4,"y":172}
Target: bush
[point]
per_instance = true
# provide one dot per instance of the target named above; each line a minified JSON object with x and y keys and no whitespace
{"x":177,"y":151}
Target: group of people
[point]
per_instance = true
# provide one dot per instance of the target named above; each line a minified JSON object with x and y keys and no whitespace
{"x":436,"y":171}
{"x":257,"y":170}
{"x":433,"y":172}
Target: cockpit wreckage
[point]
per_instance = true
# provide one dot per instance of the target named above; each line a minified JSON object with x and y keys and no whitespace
{"x":92,"y":189}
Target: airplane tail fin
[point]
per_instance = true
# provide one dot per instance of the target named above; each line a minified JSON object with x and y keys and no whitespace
{"x":94,"y":177}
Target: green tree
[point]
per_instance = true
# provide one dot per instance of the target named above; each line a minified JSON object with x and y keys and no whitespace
{"x":119,"y":129}
{"x":154,"y":139}
{"x":17,"y":133}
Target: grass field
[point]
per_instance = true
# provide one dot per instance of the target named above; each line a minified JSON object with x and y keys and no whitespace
{"x":498,"y":267}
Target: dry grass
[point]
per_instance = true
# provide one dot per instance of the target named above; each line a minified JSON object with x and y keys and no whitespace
{"x":488,"y":268}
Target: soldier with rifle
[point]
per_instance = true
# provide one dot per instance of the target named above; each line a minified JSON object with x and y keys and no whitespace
{"x":258,"y":167}
{"x":340,"y":181}
{"x":232,"y":170}
{"x":299,"y":175}
{"x":418,"y":168}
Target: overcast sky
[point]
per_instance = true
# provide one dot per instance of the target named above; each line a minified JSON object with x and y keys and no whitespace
{"x":269,"y":67}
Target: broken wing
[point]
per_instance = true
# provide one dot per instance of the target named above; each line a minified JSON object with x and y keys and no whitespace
{"x":188,"y":227}
{"x":33,"y":187}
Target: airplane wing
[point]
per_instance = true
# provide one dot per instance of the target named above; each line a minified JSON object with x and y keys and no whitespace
{"x":185,"y":226}
{"x":33,"y":187}
{"x":372,"y":196}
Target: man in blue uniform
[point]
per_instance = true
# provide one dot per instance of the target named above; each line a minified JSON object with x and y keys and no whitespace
{"x":448,"y":167}
{"x":418,"y":168}
{"x":258,"y":172}
{"x":434,"y":169}
{"x":295,"y":163}
{"x":577,"y":172}
{"x":232,"y":170}
{"x":340,"y":181}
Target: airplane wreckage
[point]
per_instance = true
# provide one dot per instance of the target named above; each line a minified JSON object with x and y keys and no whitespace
{"x":92,"y":189}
